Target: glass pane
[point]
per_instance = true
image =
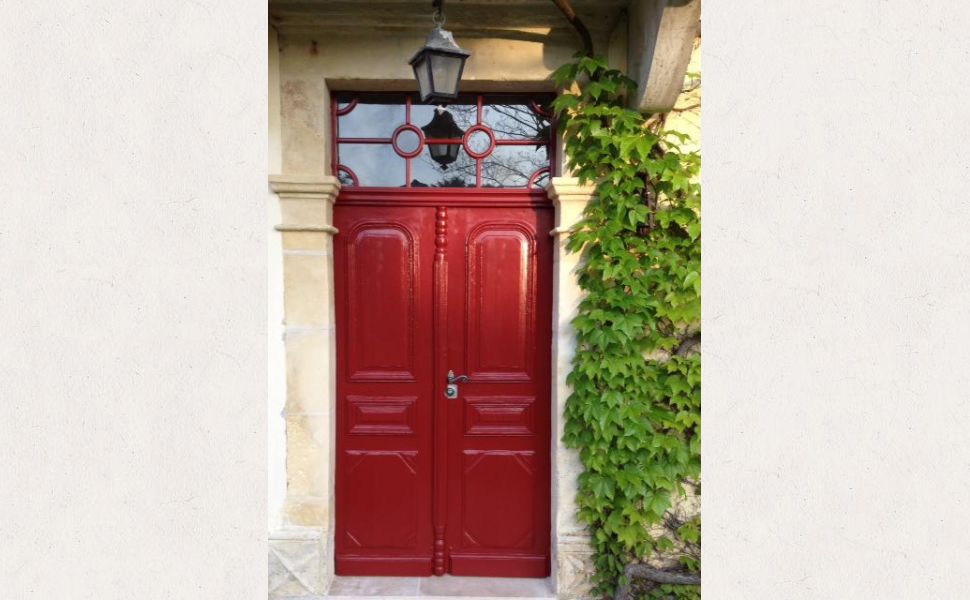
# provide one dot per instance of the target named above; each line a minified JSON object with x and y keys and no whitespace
{"x":479,"y":142}
{"x":541,"y":181}
{"x":464,"y":114}
{"x":512,"y":166}
{"x":444,"y":72}
{"x":421,"y":74}
{"x":344,"y":178}
{"x":515,"y":122}
{"x":374,"y":164}
{"x":369,"y":120}
{"x":426,"y":172}
{"x":407,"y":141}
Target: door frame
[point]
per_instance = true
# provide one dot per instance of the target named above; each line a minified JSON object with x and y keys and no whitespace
{"x":306,"y":225}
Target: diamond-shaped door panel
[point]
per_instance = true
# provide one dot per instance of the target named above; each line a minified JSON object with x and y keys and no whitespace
{"x":498,"y":499}
{"x":384,"y":513}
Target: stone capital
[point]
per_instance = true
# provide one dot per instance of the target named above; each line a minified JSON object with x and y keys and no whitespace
{"x":306,"y":201}
{"x":570,"y":198}
{"x":564,"y":190}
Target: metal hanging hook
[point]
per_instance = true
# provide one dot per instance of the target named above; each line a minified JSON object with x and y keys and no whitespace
{"x":438,"y":18}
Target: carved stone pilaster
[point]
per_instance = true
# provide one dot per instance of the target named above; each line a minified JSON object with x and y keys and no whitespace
{"x":574,"y":567}
{"x":572,"y":553}
{"x":300,"y":554}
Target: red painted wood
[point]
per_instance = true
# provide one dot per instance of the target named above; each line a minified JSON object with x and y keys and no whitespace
{"x":427,"y":281}
{"x":382,"y":269}
{"x":440,"y":403}
{"x":499,"y":439}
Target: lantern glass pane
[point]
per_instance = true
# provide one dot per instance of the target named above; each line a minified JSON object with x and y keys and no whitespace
{"x":421,"y":74}
{"x":445,"y":71}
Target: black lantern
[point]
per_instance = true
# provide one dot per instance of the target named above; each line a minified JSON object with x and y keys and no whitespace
{"x":443,"y":126}
{"x":438,"y":65}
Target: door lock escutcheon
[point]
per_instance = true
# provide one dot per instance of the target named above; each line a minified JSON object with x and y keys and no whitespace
{"x":451,"y":390}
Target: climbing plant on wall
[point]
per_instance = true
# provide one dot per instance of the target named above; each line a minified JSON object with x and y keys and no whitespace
{"x":634,"y":414}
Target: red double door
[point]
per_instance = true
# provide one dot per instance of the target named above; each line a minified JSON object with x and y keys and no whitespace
{"x":427,"y":483}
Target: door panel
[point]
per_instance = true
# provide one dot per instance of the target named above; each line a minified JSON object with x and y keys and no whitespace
{"x":499,"y":324}
{"x":427,"y":484}
{"x":500,"y":302}
{"x":381,"y":271}
{"x":382,"y":261}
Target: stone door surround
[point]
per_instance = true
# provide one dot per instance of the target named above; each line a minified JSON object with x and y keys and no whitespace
{"x":301,"y":552}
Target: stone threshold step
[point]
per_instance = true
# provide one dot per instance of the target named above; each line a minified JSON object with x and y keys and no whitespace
{"x":328,"y":597}
{"x":440,"y":588}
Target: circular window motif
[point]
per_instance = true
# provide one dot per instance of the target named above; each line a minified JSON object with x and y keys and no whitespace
{"x":345,"y":106}
{"x":346,"y":176}
{"x":479,"y":141}
{"x":408,"y":141}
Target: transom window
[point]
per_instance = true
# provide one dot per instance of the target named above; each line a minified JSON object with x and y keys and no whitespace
{"x":477,"y":141}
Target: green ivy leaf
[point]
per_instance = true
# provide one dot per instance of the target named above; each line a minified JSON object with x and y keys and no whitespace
{"x":634,"y":412}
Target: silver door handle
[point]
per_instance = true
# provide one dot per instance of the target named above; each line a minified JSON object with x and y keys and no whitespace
{"x":451,"y":390}
{"x":459,"y":379}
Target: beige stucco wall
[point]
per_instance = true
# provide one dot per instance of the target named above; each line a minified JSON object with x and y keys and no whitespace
{"x":686,"y":114}
{"x":312,"y":66}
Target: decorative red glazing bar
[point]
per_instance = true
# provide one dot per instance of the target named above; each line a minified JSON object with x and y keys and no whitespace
{"x":408,"y":156}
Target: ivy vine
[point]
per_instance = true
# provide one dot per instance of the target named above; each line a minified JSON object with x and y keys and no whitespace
{"x":634,"y":414}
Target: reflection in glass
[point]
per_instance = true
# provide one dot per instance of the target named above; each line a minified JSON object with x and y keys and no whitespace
{"x":541,"y":181}
{"x":515,"y":122}
{"x":442,"y":127}
{"x":464,"y":114}
{"x":425,"y":172}
{"x":376,"y":116}
{"x":344,"y":177}
{"x":374,"y":164}
{"x":408,"y":141}
{"x":371,"y":120}
{"x":479,"y":141}
{"x":512,"y":166}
